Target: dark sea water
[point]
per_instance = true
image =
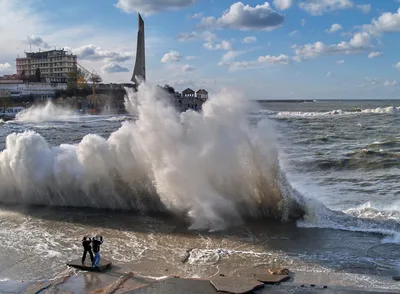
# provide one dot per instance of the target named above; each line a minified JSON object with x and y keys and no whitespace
{"x":179,"y":197}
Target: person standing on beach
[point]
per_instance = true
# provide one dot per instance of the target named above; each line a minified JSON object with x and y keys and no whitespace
{"x":86,"y":241}
{"x":97,"y":241}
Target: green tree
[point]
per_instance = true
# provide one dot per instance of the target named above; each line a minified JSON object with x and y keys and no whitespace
{"x":95,"y":79}
{"x":76,"y":81}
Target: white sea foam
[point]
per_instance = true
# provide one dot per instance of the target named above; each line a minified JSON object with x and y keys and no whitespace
{"x":47,"y":112}
{"x":337,"y":112}
{"x":213,"y":167}
{"x":360,"y":219}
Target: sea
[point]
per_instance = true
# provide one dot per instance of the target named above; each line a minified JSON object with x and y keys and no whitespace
{"x":310,"y":186}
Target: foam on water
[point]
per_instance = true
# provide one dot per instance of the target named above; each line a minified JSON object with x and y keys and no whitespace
{"x":212,"y":167}
{"x":337,"y":112}
{"x":360,"y":219}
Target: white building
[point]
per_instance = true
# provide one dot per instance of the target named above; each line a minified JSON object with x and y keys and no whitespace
{"x":54,"y":65}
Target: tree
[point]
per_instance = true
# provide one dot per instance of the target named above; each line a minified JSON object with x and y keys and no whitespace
{"x":95,"y":79}
{"x":76,"y":80}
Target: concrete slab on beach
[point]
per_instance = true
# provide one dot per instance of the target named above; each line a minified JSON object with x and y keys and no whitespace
{"x":77,"y":263}
{"x":119,"y":283}
{"x":236,"y":285}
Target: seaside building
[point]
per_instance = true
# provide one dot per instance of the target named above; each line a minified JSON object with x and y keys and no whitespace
{"x":23,"y":92}
{"x":54,"y":65}
{"x":189,"y":99}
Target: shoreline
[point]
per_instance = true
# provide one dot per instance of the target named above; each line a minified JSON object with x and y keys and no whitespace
{"x":146,"y":280}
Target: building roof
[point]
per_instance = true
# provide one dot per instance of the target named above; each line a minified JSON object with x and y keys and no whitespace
{"x":202,"y":91}
{"x":188,"y":90}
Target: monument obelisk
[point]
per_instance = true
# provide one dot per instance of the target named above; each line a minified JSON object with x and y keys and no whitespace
{"x":139,"y":72}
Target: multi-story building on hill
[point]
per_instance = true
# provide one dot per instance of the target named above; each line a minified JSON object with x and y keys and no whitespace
{"x":54,"y":65}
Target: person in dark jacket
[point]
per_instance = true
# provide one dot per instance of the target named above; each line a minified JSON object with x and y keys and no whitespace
{"x":97,"y":241}
{"x":86,"y":241}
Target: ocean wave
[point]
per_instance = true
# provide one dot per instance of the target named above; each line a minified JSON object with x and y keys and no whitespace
{"x":395,"y":142}
{"x":362,"y":159}
{"x":119,"y":118}
{"x":213,"y":167}
{"x":337,"y":112}
{"x":364,"y":218}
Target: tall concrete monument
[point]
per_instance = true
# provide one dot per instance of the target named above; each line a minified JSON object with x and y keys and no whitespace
{"x":139,"y":72}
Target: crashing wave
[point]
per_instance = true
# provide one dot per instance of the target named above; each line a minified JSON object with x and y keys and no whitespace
{"x":212,"y":167}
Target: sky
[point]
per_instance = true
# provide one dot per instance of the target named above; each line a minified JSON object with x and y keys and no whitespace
{"x":277,"y":49}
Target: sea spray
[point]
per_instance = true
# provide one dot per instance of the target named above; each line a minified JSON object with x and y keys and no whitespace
{"x":46,"y":112}
{"x":212,"y":167}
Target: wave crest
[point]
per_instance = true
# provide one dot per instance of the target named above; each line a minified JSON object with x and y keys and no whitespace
{"x":213,"y":167}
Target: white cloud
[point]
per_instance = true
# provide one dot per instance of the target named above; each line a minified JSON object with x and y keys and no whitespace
{"x":93,"y":53}
{"x":283,"y":4}
{"x":188,"y":36}
{"x":224,"y":45}
{"x":209,"y":36}
{"x":359,"y":43}
{"x":246,"y":17}
{"x":334,"y":28}
{"x":294,"y":33}
{"x":262,"y":61}
{"x":387,"y":23}
{"x":268,"y":59}
{"x":303,"y":22}
{"x":369,"y":82}
{"x":114,"y":68}
{"x":372,"y":81}
{"x":154,"y":6}
{"x":197,"y":15}
{"x":340,"y":61}
{"x":250,"y":39}
{"x":192,"y":36}
{"x":374,"y":54}
{"x":172,"y":56}
{"x":4,"y":66}
{"x":391,"y":83}
{"x":318,"y":7}
{"x":190,"y":57}
{"x":328,"y":74}
{"x":364,"y":8}
{"x":360,"y":40}
{"x":230,"y":55}
{"x":188,"y":68}
{"x":397,"y":65}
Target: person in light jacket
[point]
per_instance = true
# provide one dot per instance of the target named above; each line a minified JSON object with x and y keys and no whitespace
{"x":96,"y":242}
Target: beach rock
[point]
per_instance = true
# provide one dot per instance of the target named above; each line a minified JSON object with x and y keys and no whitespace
{"x":278,"y":271}
{"x":396,"y":278}
{"x":235,"y":285}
